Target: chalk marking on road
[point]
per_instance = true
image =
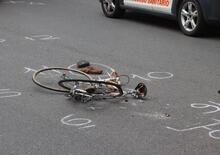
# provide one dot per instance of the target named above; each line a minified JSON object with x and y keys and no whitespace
{"x":212,"y":132}
{"x":133,"y":76}
{"x":214,"y":103}
{"x":29,"y":38}
{"x":152,"y":75}
{"x":86,"y":127}
{"x":6,"y":93}
{"x":207,"y":127}
{"x":41,"y":37}
{"x":27,"y":70}
{"x":203,"y":106}
{"x":2,"y":40}
{"x":45,"y":37}
{"x":82,"y":123}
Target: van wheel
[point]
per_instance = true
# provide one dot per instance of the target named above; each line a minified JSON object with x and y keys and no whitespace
{"x":190,"y":18}
{"x":111,"y":8}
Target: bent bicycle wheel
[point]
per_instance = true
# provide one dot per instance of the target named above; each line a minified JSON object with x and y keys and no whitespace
{"x":99,"y":89}
{"x":48,"y":78}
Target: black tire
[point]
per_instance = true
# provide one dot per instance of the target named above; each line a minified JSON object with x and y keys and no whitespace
{"x":112,"y":12}
{"x":198,"y":20}
{"x":63,"y":83}
{"x":48,"y":78}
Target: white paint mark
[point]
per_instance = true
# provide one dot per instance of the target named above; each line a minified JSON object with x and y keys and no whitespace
{"x":2,"y":40}
{"x":45,"y":37}
{"x":160,"y":75}
{"x":75,"y":121}
{"x":27,"y":70}
{"x":41,"y":37}
{"x":203,"y":106}
{"x":207,"y":127}
{"x":214,"y":103}
{"x":86,"y":127}
{"x":133,"y":76}
{"x":211,"y":134}
{"x":6,"y":93}
{"x":29,"y":38}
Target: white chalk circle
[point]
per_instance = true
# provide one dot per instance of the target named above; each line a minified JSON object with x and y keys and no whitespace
{"x":75,"y":121}
{"x":213,"y":133}
{"x":7,"y":94}
{"x":199,"y":105}
{"x":160,"y":75}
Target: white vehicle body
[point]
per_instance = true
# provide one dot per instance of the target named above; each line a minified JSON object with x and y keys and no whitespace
{"x":192,"y":15}
{"x":162,"y":6}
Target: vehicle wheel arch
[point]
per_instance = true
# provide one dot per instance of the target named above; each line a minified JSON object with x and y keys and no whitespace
{"x":177,"y":3}
{"x":198,"y":20}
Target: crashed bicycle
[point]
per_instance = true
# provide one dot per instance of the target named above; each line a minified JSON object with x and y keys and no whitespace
{"x":81,"y":84}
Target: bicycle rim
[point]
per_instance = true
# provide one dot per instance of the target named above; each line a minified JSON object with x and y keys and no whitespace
{"x":48,"y":78}
{"x":103,"y":89}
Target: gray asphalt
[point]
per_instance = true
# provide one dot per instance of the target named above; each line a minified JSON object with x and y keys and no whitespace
{"x":37,"y":122}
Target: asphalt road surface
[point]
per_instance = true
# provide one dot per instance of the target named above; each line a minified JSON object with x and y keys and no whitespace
{"x":181,"y":115}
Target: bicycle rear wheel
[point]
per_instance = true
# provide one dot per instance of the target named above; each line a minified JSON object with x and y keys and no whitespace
{"x":48,"y":78}
{"x":99,"y":89}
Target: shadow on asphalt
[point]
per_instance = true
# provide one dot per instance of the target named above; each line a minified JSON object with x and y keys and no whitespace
{"x":213,"y":32}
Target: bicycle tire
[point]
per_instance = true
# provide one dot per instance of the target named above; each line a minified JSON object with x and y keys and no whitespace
{"x":61,"y":83}
{"x":60,"y":89}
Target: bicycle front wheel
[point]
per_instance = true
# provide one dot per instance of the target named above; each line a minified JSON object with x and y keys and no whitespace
{"x":48,"y":78}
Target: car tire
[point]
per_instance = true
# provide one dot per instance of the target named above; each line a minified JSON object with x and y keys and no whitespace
{"x":112,"y":9}
{"x":190,"y":18}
